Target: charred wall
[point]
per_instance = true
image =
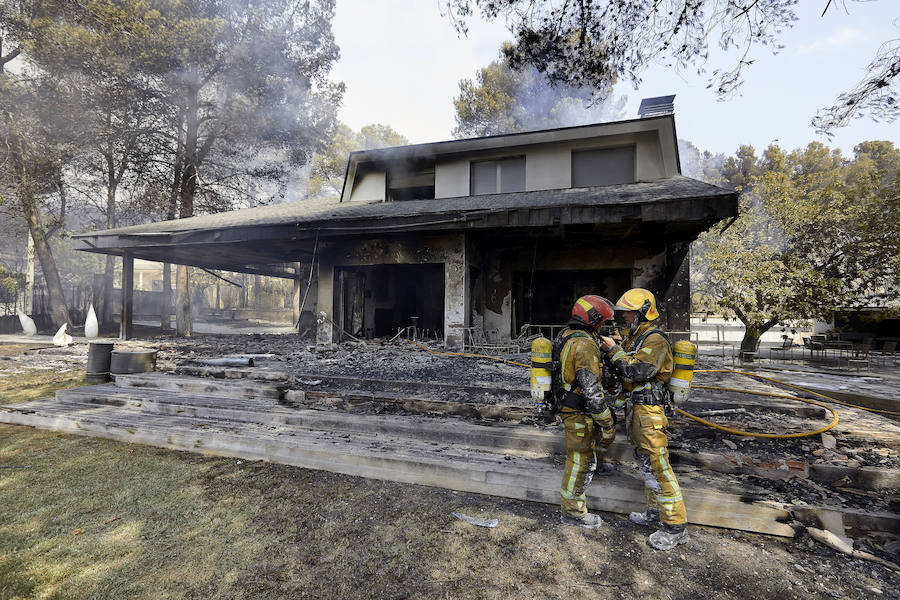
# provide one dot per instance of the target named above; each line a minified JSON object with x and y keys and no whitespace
{"x":492,"y":282}
{"x":363,"y":281}
{"x":536,"y":279}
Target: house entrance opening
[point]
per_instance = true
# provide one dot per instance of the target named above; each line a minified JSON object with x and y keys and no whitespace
{"x":378,"y":300}
{"x":546,"y":297}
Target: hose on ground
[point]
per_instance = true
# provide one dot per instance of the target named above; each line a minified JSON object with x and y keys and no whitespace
{"x":775,"y":436}
{"x":730,"y":430}
{"x":796,"y":387}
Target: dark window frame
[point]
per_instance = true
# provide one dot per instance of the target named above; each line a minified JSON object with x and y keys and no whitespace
{"x":632,"y":177}
{"x":498,"y":174}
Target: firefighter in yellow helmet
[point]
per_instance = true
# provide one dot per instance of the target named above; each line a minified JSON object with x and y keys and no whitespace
{"x":588,"y":422}
{"x":644,"y":363}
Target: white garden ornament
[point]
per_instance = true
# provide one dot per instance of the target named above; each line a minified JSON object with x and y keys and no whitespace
{"x":91,"y":326}
{"x":27,"y":322}
{"x":62,"y":338}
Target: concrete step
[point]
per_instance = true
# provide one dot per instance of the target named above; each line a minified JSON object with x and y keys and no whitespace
{"x":273,"y":375}
{"x":473,"y":400}
{"x":200,"y":385}
{"x":401,"y":458}
{"x":522,"y":391}
{"x":510,"y":438}
{"x":147,"y":399}
{"x":521,"y":440}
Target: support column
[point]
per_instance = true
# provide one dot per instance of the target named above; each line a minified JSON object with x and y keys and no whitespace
{"x":676,"y":299}
{"x":456,"y":296}
{"x":296,"y":295}
{"x":165,"y":316}
{"x":125,"y":319}
{"x":325,"y":304}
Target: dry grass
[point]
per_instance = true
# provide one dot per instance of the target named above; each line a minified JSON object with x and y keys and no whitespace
{"x":32,"y":382}
{"x":38,"y":384}
{"x":93,"y":518}
{"x":96,"y":519}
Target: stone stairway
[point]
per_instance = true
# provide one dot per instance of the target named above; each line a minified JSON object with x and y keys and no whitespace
{"x":250,"y":419}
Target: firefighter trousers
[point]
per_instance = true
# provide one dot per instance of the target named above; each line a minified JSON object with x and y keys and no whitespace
{"x":585,"y":449}
{"x":647,"y":431}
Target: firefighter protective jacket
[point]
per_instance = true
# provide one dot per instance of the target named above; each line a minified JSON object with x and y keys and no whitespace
{"x":652,"y":362}
{"x":581,"y":372}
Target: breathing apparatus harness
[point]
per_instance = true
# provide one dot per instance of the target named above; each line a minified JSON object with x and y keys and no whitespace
{"x":652,"y":393}
{"x":564,"y":396}
{"x":548,"y":386}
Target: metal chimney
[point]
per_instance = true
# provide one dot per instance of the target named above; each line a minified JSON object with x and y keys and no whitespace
{"x":654,"y":107}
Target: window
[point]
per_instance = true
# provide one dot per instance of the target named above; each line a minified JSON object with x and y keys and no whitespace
{"x":603,"y":167}
{"x":498,"y":176}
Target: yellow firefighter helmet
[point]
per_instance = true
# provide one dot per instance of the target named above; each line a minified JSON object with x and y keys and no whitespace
{"x":641,"y":301}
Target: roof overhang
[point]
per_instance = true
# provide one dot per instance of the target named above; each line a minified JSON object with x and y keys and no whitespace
{"x":269,"y":240}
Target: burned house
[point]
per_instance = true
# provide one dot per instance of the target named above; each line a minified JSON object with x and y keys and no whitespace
{"x":469,"y":239}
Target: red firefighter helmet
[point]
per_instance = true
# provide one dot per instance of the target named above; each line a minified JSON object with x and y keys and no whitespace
{"x":592,"y":311}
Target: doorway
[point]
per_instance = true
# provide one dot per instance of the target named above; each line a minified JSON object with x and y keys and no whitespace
{"x":376,"y":301}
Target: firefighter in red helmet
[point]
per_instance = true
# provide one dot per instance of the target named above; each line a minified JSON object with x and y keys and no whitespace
{"x":588,"y":422}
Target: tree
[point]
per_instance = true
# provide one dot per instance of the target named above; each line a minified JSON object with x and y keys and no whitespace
{"x":204,"y":104}
{"x":101,"y":48}
{"x":329,"y":165}
{"x":815,"y":232}
{"x":252,"y":98}
{"x":35,"y":142}
{"x":503,"y":99}
{"x":590,"y":44}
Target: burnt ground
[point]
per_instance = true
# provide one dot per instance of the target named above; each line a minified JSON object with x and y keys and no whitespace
{"x":738,"y":564}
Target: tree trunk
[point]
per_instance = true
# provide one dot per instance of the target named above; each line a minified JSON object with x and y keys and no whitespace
{"x":753,"y":331}
{"x":111,"y":185}
{"x":59,"y":312}
{"x":186,"y":209}
{"x":113,"y":176}
{"x":171,"y":212}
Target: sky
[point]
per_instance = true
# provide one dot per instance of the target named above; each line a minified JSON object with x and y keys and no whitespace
{"x":402,"y":62}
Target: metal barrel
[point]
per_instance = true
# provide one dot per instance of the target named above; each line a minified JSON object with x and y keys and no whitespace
{"x":134,"y":361}
{"x":99,"y":356}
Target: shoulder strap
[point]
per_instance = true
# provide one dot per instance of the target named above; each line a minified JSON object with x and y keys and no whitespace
{"x":640,"y":341}
{"x":562,"y":340}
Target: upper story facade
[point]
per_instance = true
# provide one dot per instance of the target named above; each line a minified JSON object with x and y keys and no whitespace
{"x":622,"y":152}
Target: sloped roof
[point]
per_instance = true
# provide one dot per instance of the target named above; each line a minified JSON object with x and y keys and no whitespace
{"x":272,"y":214}
{"x":268,"y":239}
{"x":329,"y":213}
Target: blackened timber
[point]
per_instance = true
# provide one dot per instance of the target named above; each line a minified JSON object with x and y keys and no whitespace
{"x":125,"y":318}
{"x":673,"y":196}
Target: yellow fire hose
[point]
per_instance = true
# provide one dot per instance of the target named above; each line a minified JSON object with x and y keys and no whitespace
{"x":763,"y":435}
{"x":726,"y":389}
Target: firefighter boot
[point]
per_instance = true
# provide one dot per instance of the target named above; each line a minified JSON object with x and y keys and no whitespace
{"x":587,"y":520}
{"x":668,"y":536}
{"x":649,"y":517}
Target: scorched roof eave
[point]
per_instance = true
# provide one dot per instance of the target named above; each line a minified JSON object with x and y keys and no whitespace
{"x":415,"y":212}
